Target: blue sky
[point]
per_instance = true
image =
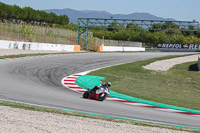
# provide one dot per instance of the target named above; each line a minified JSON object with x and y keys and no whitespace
{"x":183,"y":10}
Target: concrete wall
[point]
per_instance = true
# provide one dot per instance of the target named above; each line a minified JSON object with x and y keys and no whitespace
{"x":4,"y":44}
{"x":118,"y":48}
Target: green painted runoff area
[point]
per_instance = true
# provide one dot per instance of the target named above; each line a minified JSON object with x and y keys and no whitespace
{"x":88,"y":81}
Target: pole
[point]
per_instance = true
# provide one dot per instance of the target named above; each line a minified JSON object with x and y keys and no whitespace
{"x":78,"y":32}
{"x":86,"y":41}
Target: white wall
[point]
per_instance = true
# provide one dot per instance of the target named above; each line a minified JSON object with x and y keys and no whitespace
{"x":4,"y":44}
{"x":118,"y":48}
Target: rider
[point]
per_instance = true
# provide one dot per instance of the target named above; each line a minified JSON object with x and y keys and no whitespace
{"x":105,"y":86}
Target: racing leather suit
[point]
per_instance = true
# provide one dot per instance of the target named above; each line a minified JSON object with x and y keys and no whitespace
{"x":97,"y":87}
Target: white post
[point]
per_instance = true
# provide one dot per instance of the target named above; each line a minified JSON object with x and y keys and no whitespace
{"x":103,"y":41}
{"x":199,"y":63}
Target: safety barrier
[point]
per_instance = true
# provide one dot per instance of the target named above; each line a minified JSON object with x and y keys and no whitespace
{"x":118,"y":48}
{"x":4,"y":44}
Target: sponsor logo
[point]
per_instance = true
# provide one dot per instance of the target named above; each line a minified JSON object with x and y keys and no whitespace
{"x":194,"y":46}
{"x":185,"y":46}
{"x":159,"y":45}
{"x":179,"y":46}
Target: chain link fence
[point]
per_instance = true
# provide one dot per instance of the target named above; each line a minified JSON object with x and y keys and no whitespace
{"x":34,"y":33}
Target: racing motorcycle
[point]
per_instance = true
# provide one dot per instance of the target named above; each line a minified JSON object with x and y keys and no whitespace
{"x":97,"y":93}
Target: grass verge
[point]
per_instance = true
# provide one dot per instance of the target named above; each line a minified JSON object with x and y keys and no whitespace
{"x":36,"y":54}
{"x":179,"y":86}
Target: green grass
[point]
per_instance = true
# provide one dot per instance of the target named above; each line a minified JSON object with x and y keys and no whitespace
{"x":179,"y":86}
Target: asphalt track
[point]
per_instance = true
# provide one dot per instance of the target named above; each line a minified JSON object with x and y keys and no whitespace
{"x":37,"y":80}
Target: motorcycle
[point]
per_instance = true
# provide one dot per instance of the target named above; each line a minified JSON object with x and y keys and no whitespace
{"x":99,"y":93}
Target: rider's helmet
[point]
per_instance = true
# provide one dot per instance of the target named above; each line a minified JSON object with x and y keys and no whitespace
{"x":108,"y":84}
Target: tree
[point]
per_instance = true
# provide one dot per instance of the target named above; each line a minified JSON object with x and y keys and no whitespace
{"x":156,"y":26}
{"x":73,"y":27}
{"x":121,"y":35}
{"x":63,"y":20}
{"x":112,"y":26}
{"x":191,"y":27}
{"x":169,"y":25}
{"x":4,"y":11}
{"x":132,"y":26}
{"x":198,"y":32}
{"x":43,"y":17}
{"x":52,"y":18}
{"x":28,"y":14}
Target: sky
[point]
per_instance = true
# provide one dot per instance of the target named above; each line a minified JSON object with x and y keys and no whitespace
{"x":182,"y":10}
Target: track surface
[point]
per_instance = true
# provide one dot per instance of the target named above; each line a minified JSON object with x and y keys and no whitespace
{"x":38,"y":81}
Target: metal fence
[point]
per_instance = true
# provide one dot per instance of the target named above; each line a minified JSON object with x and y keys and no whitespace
{"x":117,"y":43}
{"x":44,"y":34}
{"x":93,"y":44}
{"x":34,"y":33}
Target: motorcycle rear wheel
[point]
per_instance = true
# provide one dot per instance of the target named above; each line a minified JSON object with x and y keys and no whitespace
{"x":86,"y":94}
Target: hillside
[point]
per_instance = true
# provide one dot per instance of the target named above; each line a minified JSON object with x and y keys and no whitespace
{"x":75,"y":14}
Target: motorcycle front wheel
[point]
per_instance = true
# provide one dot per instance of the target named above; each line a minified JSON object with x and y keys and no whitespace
{"x":101,"y":98}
